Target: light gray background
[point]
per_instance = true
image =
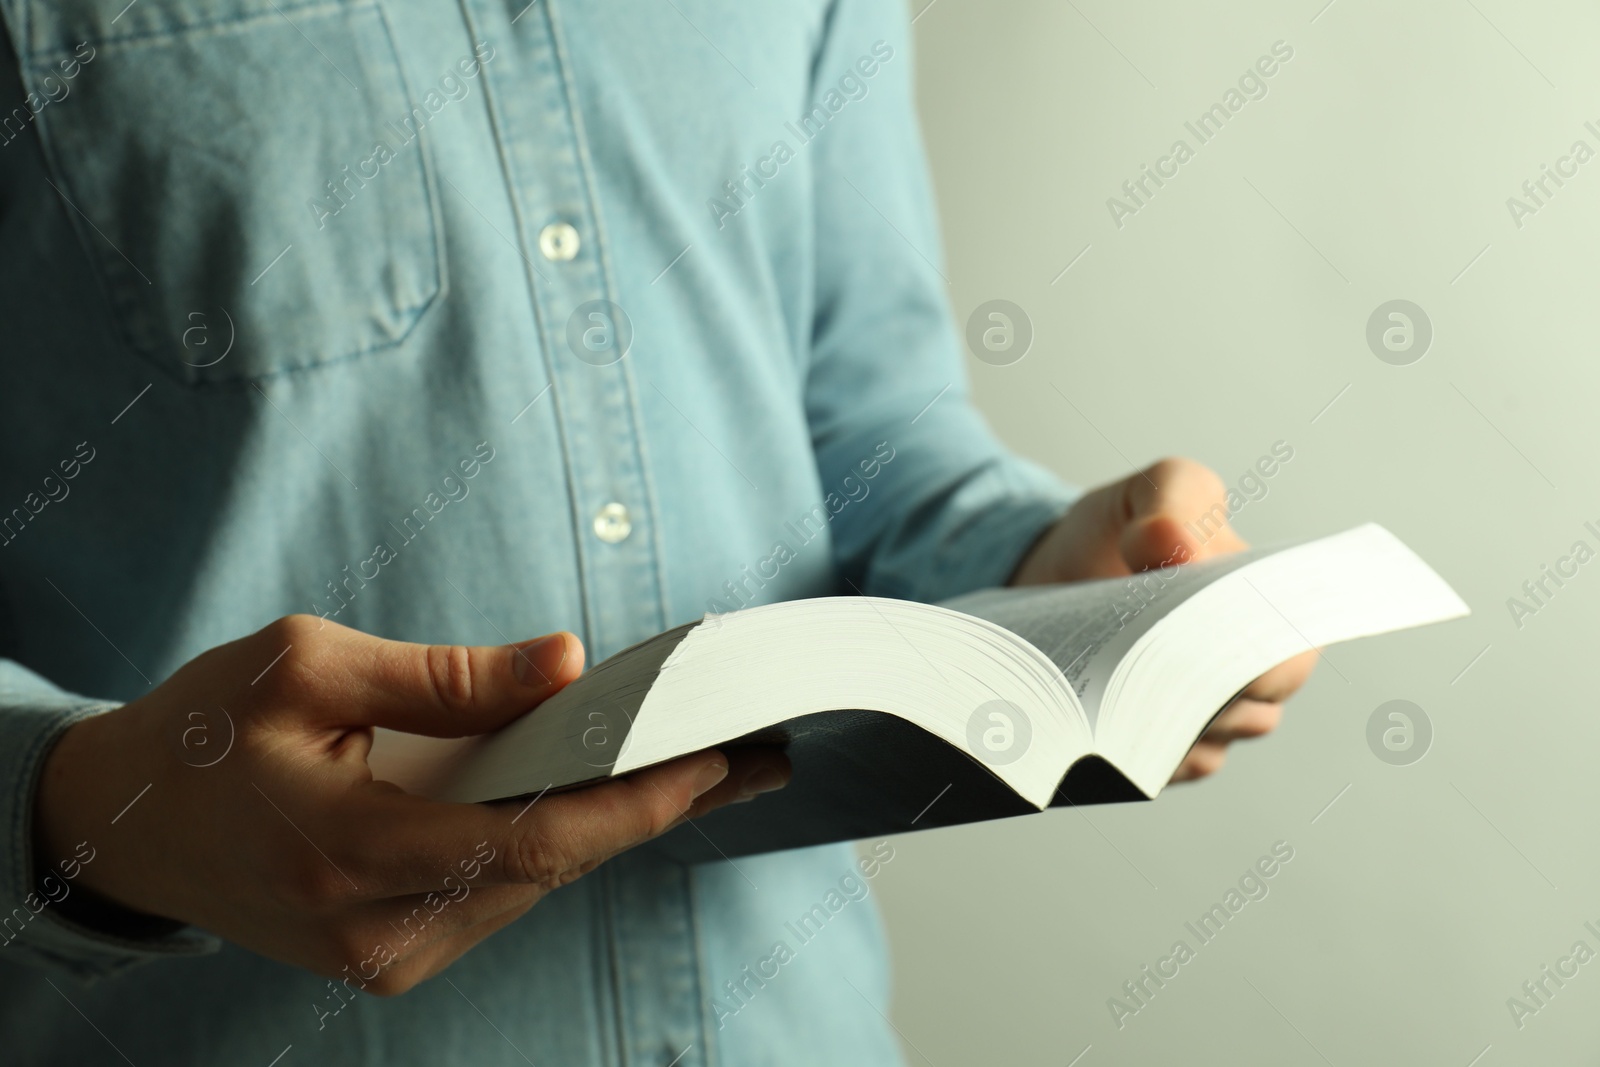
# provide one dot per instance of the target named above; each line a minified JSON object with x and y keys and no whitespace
{"x":1224,"y":316}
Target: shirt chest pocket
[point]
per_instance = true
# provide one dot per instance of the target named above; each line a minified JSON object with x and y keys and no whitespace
{"x":249,"y":176}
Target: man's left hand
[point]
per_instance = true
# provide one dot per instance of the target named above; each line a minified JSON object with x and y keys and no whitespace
{"x":1172,"y":512}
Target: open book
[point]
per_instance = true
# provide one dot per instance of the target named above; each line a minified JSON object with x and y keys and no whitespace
{"x":899,"y":716}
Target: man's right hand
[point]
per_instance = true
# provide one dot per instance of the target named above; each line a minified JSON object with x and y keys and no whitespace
{"x":288,"y":847}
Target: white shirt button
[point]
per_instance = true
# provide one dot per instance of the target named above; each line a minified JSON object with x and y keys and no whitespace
{"x":559,"y":241}
{"x":612,"y":524}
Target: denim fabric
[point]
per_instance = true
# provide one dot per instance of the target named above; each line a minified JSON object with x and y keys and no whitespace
{"x":275,"y":274}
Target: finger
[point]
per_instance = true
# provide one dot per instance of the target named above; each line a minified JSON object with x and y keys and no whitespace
{"x":626,"y":812}
{"x":454,"y":904}
{"x":402,"y":841}
{"x":422,"y":922}
{"x":1203,"y":759}
{"x":751,"y":772}
{"x":1176,"y":512}
{"x":447,"y":690}
{"x":1244,"y":719}
{"x":1282,"y":681}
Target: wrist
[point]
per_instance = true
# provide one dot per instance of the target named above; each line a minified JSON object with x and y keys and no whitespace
{"x":1040,"y":564}
{"x":80,"y":840}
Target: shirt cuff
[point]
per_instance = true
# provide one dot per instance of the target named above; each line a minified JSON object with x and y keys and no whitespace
{"x":1009,"y":506}
{"x":960,"y":510}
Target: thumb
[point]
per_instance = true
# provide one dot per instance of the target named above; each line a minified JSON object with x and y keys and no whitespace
{"x":455,"y":690}
{"x":1177,"y":512}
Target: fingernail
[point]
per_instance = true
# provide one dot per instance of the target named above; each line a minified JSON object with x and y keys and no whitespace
{"x":763,"y":780}
{"x":709,"y":776}
{"x":539,"y":661}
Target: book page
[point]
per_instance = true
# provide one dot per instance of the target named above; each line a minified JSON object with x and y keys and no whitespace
{"x":1085,"y":628}
{"x":1212,"y":642}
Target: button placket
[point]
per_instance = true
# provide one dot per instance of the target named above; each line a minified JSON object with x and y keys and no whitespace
{"x":605,"y":463}
{"x":602,"y":443}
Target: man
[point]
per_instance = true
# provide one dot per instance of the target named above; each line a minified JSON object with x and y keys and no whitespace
{"x":352,"y":344}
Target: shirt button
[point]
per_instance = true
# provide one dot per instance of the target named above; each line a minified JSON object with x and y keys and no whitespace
{"x":559,"y":241}
{"x":612,"y":524}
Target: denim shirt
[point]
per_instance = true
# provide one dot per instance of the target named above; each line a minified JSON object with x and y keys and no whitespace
{"x":467,"y":322}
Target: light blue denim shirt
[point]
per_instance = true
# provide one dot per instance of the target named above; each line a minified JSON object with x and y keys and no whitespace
{"x":662,"y":274}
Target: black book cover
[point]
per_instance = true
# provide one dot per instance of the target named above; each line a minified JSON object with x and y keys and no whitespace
{"x":863,"y":775}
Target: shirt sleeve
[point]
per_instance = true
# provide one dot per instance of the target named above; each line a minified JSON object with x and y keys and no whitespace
{"x":46,"y":920}
{"x":953,"y":510}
